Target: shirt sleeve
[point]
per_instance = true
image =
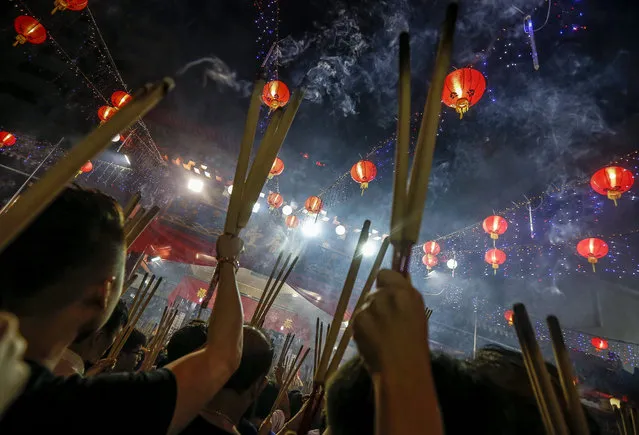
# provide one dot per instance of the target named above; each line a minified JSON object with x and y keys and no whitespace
{"x":104,"y":404}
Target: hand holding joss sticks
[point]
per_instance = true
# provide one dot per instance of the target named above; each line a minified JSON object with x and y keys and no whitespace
{"x":45,"y":190}
{"x":408,"y":205}
{"x":156,"y":344}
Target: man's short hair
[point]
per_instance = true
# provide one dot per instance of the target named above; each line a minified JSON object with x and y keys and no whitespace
{"x":135,"y":340}
{"x":257,"y":353}
{"x":74,"y":242}
{"x":488,"y":407}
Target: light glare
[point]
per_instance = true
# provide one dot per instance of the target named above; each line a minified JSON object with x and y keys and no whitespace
{"x":340,"y":230}
{"x":196,"y":185}
{"x":287,"y":210}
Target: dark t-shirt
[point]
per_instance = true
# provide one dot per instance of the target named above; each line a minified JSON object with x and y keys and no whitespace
{"x":104,"y":404}
{"x":199,"y":426}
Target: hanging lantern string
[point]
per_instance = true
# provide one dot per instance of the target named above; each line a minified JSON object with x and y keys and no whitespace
{"x":108,"y":52}
{"x":94,"y":88}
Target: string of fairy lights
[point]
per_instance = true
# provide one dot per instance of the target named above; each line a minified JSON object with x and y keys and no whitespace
{"x":99,"y":81}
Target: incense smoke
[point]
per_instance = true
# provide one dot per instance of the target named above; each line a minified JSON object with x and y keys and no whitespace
{"x":220,"y":73}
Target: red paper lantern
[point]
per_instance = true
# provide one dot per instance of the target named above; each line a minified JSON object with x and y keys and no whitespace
{"x":509,"y":315}
{"x":462,"y":89}
{"x":599,"y":343}
{"x":363,"y":172}
{"x":87,"y":167}
{"x":612,"y":181}
{"x":495,"y":226}
{"x":275,"y":94}
{"x":292,"y":221}
{"x":429,"y":261}
{"x":72,"y":5}
{"x":275,"y":200}
{"x":29,"y":30}
{"x":106,"y":112}
{"x":313,"y":204}
{"x":120,"y":98}
{"x":277,"y":168}
{"x":495,"y":257}
{"x":6,"y":139}
{"x":431,"y":248}
{"x":592,"y":249}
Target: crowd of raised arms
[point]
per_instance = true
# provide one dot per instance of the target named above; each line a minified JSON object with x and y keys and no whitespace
{"x":62,"y":280}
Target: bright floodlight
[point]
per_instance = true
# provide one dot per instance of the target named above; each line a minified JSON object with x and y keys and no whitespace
{"x":116,"y":138}
{"x":369,"y":249}
{"x":230,"y":189}
{"x":256,"y":207}
{"x":340,"y":230}
{"x":196,"y":185}
{"x":452,"y":263}
{"x":286,"y":210}
{"x":311,"y":229}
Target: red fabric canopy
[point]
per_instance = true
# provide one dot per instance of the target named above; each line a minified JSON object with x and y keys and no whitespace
{"x":175,"y":245}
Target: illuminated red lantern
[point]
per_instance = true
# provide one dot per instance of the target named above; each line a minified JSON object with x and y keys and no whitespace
{"x":495,"y":257}
{"x":120,"y":98}
{"x":275,"y":94}
{"x":275,"y":200}
{"x":495,"y":226}
{"x":612,"y":181}
{"x":599,"y":343}
{"x":363,"y":172}
{"x":277,"y":168}
{"x":429,"y":261}
{"x":509,"y":315}
{"x":106,"y":112}
{"x":462,"y":89}
{"x":72,"y":5}
{"x":292,"y":221}
{"x":592,"y":249}
{"x":29,"y":30}
{"x":431,"y":248}
{"x":6,"y":139}
{"x":87,"y":167}
{"x":313,"y":204}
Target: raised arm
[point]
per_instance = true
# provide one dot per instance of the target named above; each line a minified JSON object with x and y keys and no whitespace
{"x":202,"y":374}
{"x":392,"y":337}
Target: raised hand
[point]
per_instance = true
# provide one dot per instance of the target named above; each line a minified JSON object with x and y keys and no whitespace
{"x":14,"y":372}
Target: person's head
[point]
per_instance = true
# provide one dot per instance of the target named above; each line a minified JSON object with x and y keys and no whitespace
{"x":131,"y":353}
{"x":95,"y":345}
{"x":257,"y":355}
{"x":263,"y":403}
{"x":68,"y":263}
{"x":296,"y":400}
{"x":488,"y":408}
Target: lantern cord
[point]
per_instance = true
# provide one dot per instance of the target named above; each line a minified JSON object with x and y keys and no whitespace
{"x":108,"y":52}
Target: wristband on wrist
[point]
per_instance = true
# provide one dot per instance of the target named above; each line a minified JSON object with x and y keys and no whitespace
{"x":232,"y":260}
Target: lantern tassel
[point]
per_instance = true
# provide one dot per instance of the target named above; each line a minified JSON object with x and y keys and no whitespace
{"x":593,"y":267}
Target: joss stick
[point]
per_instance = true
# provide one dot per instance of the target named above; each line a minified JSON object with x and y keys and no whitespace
{"x":401,"y":150}
{"x":342,"y":304}
{"x":141,"y":225}
{"x":316,"y":349}
{"x":258,"y":310}
{"x":139,"y":295}
{"x":285,"y":348}
{"x":575,"y":413}
{"x":46,"y":189}
{"x":289,"y":377}
{"x":129,"y":224}
{"x":266,"y":287}
{"x":408,"y":207}
{"x":138,"y":314}
{"x":267,"y":152}
{"x":129,"y":282}
{"x":547,"y":401}
{"x":250,"y":127}
{"x":133,"y":202}
{"x":276,"y":292}
{"x":348,"y":332}
{"x":159,"y":339}
{"x":429,"y":313}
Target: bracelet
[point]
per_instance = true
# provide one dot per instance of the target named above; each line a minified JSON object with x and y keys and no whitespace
{"x":232,"y":260}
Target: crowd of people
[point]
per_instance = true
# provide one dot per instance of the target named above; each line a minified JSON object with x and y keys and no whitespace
{"x":61,"y":311}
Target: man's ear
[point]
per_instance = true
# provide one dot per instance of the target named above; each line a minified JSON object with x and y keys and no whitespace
{"x":105,"y":290}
